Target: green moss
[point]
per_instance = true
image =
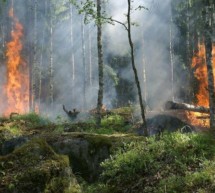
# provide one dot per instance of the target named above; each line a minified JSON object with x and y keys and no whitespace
{"x":56,"y":184}
{"x":98,"y":141}
{"x":34,"y":167}
{"x":9,"y":132}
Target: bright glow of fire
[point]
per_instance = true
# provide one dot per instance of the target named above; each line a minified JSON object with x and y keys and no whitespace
{"x":199,"y":64}
{"x":16,"y":89}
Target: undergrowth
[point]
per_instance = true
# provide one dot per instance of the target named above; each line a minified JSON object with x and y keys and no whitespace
{"x":32,"y":120}
{"x":174,"y":164}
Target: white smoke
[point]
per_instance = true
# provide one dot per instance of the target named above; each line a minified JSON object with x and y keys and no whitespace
{"x":151,"y":40}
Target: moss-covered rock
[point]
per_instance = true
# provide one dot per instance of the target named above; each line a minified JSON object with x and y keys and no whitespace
{"x":86,"y":151}
{"x":8,"y":132}
{"x":35,"y":167}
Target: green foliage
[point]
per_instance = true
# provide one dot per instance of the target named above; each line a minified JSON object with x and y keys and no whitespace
{"x":114,"y":123}
{"x":95,"y":188}
{"x":32,"y":120}
{"x":89,"y":9}
{"x":111,"y":124}
{"x":113,"y":119}
{"x":175,"y":163}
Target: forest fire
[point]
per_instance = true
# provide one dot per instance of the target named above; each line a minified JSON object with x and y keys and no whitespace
{"x":16,"y":89}
{"x":202,"y":96}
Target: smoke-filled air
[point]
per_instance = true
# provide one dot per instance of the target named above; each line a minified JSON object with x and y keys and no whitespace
{"x":49,"y":56}
{"x":107,"y":96}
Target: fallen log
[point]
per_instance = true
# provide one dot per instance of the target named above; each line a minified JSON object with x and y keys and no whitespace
{"x":170,"y":105}
{"x":203,"y":117}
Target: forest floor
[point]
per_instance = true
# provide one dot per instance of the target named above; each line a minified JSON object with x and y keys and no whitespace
{"x":113,"y":158}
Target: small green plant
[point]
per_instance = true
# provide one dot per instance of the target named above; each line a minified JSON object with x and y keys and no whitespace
{"x":112,"y":120}
{"x":58,"y":129}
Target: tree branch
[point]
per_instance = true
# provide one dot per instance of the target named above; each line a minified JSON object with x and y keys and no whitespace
{"x":119,"y":22}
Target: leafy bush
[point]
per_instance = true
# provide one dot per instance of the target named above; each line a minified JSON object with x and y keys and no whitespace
{"x":176,"y":163}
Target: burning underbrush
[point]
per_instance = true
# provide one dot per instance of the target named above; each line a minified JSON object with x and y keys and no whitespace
{"x":199,"y":120}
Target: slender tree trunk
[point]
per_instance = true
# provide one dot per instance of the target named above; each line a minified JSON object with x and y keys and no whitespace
{"x":171,"y":57}
{"x":142,"y":108}
{"x":144,"y":75}
{"x":3,"y":40}
{"x":2,"y":28}
{"x":90,"y":56}
{"x":42,"y":57}
{"x":100,"y":64}
{"x":40,"y":70}
{"x":51,"y":83}
{"x":72,"y":59}
{"x":209,"y":47}
{"x":35,"y":65}
{"x":84,"y":62}
{"x":188,"y":54}
{"x":30,"y":52}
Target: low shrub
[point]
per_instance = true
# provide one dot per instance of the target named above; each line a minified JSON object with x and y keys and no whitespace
{"x":175,"y":163}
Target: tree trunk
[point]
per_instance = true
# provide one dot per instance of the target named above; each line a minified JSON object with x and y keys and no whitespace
{"x":35,"y":65}
{"x":209,"y":47}
{"x":2,"y":28}
{"x":90,"y":56}
{"x":72,"y":59}
{"x":145,"y":131}
{"x":171,"y":57}
{"x":188,"y":54}
{"x":51,"y":84}
{"x":100,"y":64}
{"x":30,"y":53}
{"x":170,"y":105}
{"x":42,"y":57}
{"x":145,"y":79}
{"x":84,"y":62}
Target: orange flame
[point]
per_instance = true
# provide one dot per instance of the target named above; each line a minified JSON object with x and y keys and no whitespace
{"x":199,"y":64}
{"x":16,"y":89}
